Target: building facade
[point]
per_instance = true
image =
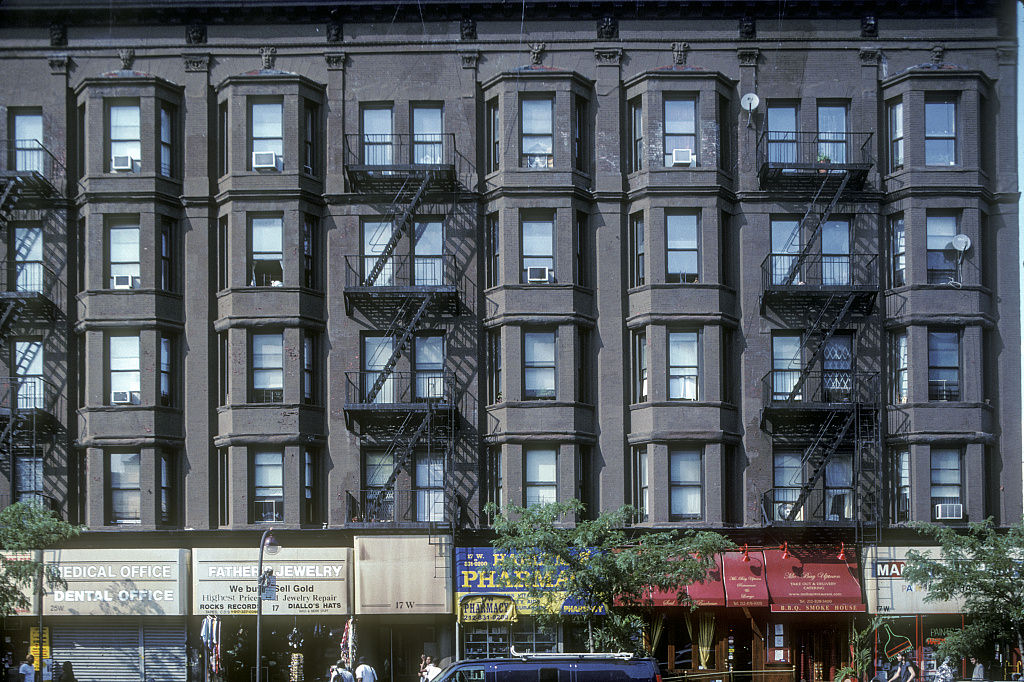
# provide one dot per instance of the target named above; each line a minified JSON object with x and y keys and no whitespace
{"x":352,"y":271}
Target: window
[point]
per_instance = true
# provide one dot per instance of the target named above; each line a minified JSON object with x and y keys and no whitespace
{"x":579,"y":134}
{"x":28,"y":142}
{"x":785,"y":251}
{"x":376,"y":353}
{"x":900,"y":369}
{"x":267,"y":136}
{"x":429,"y":486}
{"x":123,"y":480}
{"x":428,"y":365}
{"x":310,"y":394}
{"x":376,"y":237}
{"x":537,"y":133}
{"x":27,"y":252}
{"x":943,"y":365}
{"x":538,"y":249}
{"x":125,"y":138}
{"x":267,"y":368}
{"x":788,"y":476}
{"x":224,"y":367}
{"x":636,"y":136}
{"x":947,"y":477}
{"x":223,"y":488}
{"x":493,"y":263}
{"x":377,"y":140}
{"x":639,"y":367}
{"x":222,"y":141}
{"x":28,"y":371}
{"x":428,"y":261}
{"x":267,"y":487}
{"x":839,"y":487}
{"x":942,"y":263}
{"x":166,"y":476}
{"x":538,"y":365}
{"x":683,"y":365}
{"x":940,"y":130}
{"x":898,"y":251}
{"x":835,"y":253}
{"x":681,"y":248}
{"x":582,"y":249}
{"x":494,"y":388}
{"x":427,"y":140}
{"x":125,"y":375}
{"x":28,"y":475}
{"x":167,"y":361}
{"x":310,"y":249}
{"x":541,"y":476}
{"x":583,"y":368}
{"x":782,"y":137}
{"x":684,"y":480}
{"x":901,"y":479}
{"x":785,"y":366}
{"x":310,"y":486}
{"x":167,"y":120}
{"x":495,"y":478}
{"x":636,"y":250}
{"x":267,"y":254}
{"x":310,"y":126}
{"x":680,"y":129}
{"x":837,"y":363}
{"x":222,"y":253}
{"x":832,"y":133}
{"x":895,"y":136}
{"x":167,"y":249}
{"x":640,"y":499}
{"x":493,"y":136}
{"x":123,"y":240}
{"x":528,"y":635}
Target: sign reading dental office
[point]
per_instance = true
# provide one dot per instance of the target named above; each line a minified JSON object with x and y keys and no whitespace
{"x":118,"y":582}
{"x":311,"y":581}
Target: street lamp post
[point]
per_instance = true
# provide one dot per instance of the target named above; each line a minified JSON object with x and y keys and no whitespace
{"x":268,"y":543}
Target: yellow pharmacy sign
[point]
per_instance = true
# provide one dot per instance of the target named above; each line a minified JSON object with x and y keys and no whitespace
{"x":33,"y":643}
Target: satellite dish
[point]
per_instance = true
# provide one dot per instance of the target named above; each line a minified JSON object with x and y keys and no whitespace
{"x":961,"y":242}
{"x":749,"y":102}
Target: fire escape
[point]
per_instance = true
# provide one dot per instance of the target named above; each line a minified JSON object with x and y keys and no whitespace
{"x":402,"y":401}
{"x":32,"y":197}
{"x":820,"y":408}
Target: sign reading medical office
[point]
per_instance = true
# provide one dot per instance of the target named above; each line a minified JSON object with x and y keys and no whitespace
{"x":117,"y":582}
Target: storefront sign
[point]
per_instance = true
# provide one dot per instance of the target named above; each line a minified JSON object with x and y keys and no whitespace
{"x":813,"y":579}
{"x":402,"y":574}
{"x":311,"y":581}
{"x":118,"y":582}
{"x":709,"y":592}
{"x":488,"y":609}
{"x":888,"y":592}
{"x":29,"y":592}
{"x":744,"y":578}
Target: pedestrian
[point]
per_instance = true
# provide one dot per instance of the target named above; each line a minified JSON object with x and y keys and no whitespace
{"x":344,"y":674}
{"x":67,"y":673}
{"x":905,"y":671}
{"x":27,"y":671}
{"x":364,"y":671}
{"x":979,"y":669}
{"x":945,"y":673}
{"x":430,"y":671}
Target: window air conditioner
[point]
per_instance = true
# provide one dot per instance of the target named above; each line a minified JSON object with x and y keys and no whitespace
{"x":264,"y":160}
{"x":682,"y":157}
{"x":947,"y":512}
{"x":538,"y":274}
{"x":124,"y":282}
{"x":122,"y":163}
{"x":121,"y":397}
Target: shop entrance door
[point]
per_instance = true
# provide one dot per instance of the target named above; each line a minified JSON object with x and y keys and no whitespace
{"x":818,"y":655}
{"x":741,"y":659}
{"x":400,"y":647}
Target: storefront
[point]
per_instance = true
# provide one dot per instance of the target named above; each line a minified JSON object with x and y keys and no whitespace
{"x":403,"y":602}
{"x":302,"y":628}
{"x":120,"y":617}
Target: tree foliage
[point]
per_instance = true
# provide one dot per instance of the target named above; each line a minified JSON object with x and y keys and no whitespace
{"x":983,"y":567}
{"x":606,"y":569}
{"x":24,"y":529}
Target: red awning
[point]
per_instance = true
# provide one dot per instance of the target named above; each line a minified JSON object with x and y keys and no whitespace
{"x":711,"y":592}
{"x":813,"y":579}
{"x":744,"y":580}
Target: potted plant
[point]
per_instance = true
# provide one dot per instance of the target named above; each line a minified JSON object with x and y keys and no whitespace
{"x":824,"y":158}
{"x":860,"y":652}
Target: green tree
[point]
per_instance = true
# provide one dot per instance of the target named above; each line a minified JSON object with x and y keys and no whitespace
{"x":24,"y":528}
{"x":604,"y":567}
{"x":983,"y":567}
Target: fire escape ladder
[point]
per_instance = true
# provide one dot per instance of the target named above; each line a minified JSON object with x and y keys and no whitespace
{"x":821,"y":219}
{"x":400,"y":344}
{"x":9,"y":198}
{"x":830,"y":445}
{"x":400,"y":226}
{"x":870,"y":479}
{"x":822,"y":340}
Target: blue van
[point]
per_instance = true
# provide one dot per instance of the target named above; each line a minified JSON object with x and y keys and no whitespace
{"x":553,"y":668}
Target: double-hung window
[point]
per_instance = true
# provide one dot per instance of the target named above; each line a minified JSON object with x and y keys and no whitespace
{"x":636,"y":136}
{"x":123,"y":485}
{"x":683,"y":365}
{"x":428,"y":261}
{"x":942,"y":257}
{"x":267,"y":368}
{"x":494,"y":388}
{"x":267,"y":135}
{"x":28,"y":142}
{"x":493,"y":244}
{"x":681,"y":246}
{"x":538,"y":132}
{"x":166,"y":477}
{"x":901,"y":480}
{"x":167,"y":253}
{"x":895,"y":136}
{"x":839,"y":487}
{"x":427,"y":136}
{"x":267,"y":255}
{"x":640,"y":479}
{"x":541,"y":477}
{"x":785,"y":366}
{"x":376,"y":236}
{"x":310,"y":128}
{"x":900,"y":369}
{"x":946,"y":479}
{"x":493,"y":136}
{"x":28,"y":475}
{"x":636,"y":250}
{"x":378,"y":149}
{"x":639,"y":367}
{"x":125,"y":372}
{"x":123,"y":241}
{"x":311,"y":494}
{"x":27,"y":251}
{"x":785,"y":236}
{"x":940,"y":130}
{"x":28,"y":370}
{"x":832,"y":133}
{"x":167,"y":120}
{"x":268,"y":487}
{"x":125,"y":136}
{"x":897,"y":251}
{"x":943,"y":365}
{"x":680,"y":131}
{"x":538,"y":249}
{"x":167,"y":362}
{"x":782,"y":135}
{"x":429,"y":483}
{"x":309,"y":363}
{"x":310,"y":249}
{"x":376,"y":353}
{"x":378,"y":500}
{"x":835,"y":253}
{"x":684,"y":480}
{"x":788,"y":477}
{"x":539,"y":365}
{"x":579,"y":134}
{"x":428,"y":364}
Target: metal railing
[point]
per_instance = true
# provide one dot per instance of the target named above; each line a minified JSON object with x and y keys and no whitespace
{"x":401,"y":271}
{"x":835,"y":271}
{"x":392,"y":150}
{"x":32,"y":158}
{"x":31,"y":277}
{"x":822,"y":504}
{"x":799,"y":150}
{"x":29,"y":393}
{"x":422,"y":386}
{"x":829,"y":386}
{"x":391,"y":505}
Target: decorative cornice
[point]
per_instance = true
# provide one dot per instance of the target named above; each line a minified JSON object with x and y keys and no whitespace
{"x":335,"y":60}
{"x":197,"y":62}
{"x":870,"y":56}
{"x":59,"y":63}
{"x":748,"y":56}
{"x":469,"y":59}
{"x":608,"y":56}
{"x":268,"y":54}
{"x":679,"y":53}
{"x":537,"y":52}
{"x":127,"y":57}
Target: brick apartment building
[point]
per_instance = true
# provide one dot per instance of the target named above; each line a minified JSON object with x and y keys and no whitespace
{"x":351,"y":270}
